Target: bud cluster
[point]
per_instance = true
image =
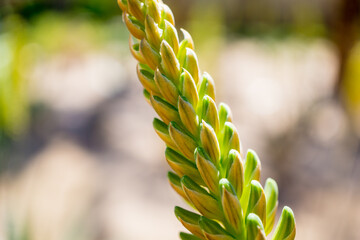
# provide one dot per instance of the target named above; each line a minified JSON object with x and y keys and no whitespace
{"x":210,"y":170}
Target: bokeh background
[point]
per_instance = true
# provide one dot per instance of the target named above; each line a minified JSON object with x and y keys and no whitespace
{"x":79,"y":159}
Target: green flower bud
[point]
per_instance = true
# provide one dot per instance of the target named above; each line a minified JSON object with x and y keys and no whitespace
{"x":188,"y":88}
{"x":255,"y":228}
{"x":153,"y":10}
{"x":135,"y":50}
{"x":167,"y":14}
{"x":236,"y":172}
{"x":209,"y":142}
{"x":169,"y":62}
{"x":257,"y":201}
{"x":134,"y":26}
{"x":162,"y":131}
{"x":189,"y":220}
{"x":271,"y":194}
{"x":153,"y":33}
{"x":182,"y":166}
{"x":188,"y":116}
{"x":165,"y":110}
{"x":207,"y":86}
{"x":151,"y":56}
{"x":167,"y":88}
{"x":230,"y":139}
{"x":187,"y":42}
{"x":184,"y":142}
{"x":175,"y":183}
{"x":147,"y":80}
{"x":213,"y":231}
{"x":201,"y":199}
{"x":209,"y":112}
{"x":136,"y":8}
{"x":191,"y":64}
{"x":232,"y":209}
{"x":252,"y":172}
{"x":188,"y":39}
{"x":186,"y":236}
{"x":285,"y":229}
{"x":147,"y":95}
{"x":224,"y":115}
{"x":171,"y":36}
{"x":208,"y":171}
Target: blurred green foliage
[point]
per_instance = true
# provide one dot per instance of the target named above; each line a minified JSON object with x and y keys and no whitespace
{"x":32,"y":8}
{"x":351,"y":87}
{"x":23,"y":43}
{"x":13,"y":69}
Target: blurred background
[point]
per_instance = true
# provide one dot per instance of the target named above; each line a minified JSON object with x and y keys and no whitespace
{"x":79,"y":159}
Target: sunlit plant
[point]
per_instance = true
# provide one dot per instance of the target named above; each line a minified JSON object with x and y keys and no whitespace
{"x":210,"y":170}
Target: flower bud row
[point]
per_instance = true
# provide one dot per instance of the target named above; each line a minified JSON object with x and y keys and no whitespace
{"x":203,"y":146}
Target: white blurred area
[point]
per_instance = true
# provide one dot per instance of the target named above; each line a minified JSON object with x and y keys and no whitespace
{"x":120,"y":191}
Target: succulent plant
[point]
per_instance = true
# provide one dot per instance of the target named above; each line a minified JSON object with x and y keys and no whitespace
{"x":210,"y":170}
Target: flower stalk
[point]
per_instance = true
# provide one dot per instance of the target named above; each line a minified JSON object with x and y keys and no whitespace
{"x":210,"y":170}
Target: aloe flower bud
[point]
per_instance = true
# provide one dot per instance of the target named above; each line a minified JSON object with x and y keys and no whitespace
{"x":190,"y":221}
{"x":209,"y":142}
{"x":153,"y":32}
{"x":188,"y":88}
{"x":153,"y":10}
{"x":232,"y":209}
{"x":188,"y":116}
{"x":147,"y":80}
{"x":257,"y":201}
{"x":186,"y":236}
{"x":175,"y":183}
{"x":184,"y":142}
{"x":162,"y":131}
{"x":212,"y":230}
{"x":271,"y":194}
{"x":286,"y":227}
{"x":167,"y":88}
{"x":255,"y":228}
{"x":170,"y":35}
{"x":236,"y":172}
{"x":151,"y":56}
{"x":204,"y":202}
{"x":208,"y":171}
{"x":182,"y":166}
{"x":169,"y":62}
{"x":209,"y":112}
{"x":165,"y":110}
{"x":203,"y":145}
